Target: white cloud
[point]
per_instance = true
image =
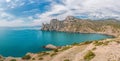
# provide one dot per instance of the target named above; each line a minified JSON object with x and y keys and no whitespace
{"x":8,"y":0}
{"x":94,"y":9}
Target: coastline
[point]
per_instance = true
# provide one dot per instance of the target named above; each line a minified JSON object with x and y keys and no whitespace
{"x":103,"y":33}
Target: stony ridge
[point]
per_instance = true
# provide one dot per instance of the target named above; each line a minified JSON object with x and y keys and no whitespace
{"x":72,"y":24}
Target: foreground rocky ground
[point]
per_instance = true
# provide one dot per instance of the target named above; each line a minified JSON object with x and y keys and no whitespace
{"x":102,"y":50}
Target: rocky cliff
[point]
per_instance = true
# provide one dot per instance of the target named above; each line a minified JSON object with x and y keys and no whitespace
{"x":72,"y":24}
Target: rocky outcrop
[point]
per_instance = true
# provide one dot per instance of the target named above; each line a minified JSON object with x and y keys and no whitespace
{"x":54,"y":25}
{"x":72,"y":24}
{"x":50,"y":46}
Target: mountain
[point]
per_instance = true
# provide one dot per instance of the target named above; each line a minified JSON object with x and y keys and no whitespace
{"x":72,"y":24}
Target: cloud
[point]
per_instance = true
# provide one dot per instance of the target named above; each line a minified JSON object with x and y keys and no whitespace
{"x":59,"y":9}
{"x":93,"y":9}
{"x":8,"y":0}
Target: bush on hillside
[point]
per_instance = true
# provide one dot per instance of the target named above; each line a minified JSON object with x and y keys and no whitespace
{"x":90,"y":55}
{"x":26,"y":57}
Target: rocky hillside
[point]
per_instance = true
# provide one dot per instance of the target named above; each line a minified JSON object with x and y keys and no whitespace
{"x":72,"y":24}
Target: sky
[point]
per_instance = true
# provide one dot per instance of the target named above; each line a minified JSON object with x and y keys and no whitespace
{"x":19,"y":13}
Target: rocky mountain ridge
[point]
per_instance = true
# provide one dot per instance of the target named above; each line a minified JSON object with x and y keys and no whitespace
{"x":72,"y":24}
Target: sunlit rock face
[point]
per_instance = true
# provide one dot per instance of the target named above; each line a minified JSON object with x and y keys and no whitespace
{"x":72,"y":24}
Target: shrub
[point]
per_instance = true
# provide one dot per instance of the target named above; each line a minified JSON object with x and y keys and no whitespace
{"x":13,"y":60}
{"x":66,"y":60}
{"x":97,"y":43}
{"x":43,"y":54}
{"x":90,"y":55}
{"x":87,"y":42}
{"x":56,"y":50}
{"x":26,"y":57}
{"x":53,"y":54}
{"x":33,"y":58}
{"x":41,"y":58}
{"x":75,"y":43}
{"x":118,"y":41}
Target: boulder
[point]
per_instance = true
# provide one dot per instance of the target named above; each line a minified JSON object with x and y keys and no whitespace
{"x":50,"y":46}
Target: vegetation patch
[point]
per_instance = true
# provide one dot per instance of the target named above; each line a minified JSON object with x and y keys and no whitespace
{"x":56,"y":50}
{"x":53,"y":54}
{"x":90,"y":55}
{"x":66,"y":60}
{"x":87,"y":42}
{"x":97,"y":43}
{"x":75,"y":44}
{"x":13,"y":60}
{"x":43,"y":54}
{"x":33,"y":58}
{"x":41,"y":58}
{"x":65,"y":48}
{"x":26,"y":57}
{"x":118,"y":41}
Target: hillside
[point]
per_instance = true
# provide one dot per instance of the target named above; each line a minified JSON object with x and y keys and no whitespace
{"x":72,"y":24}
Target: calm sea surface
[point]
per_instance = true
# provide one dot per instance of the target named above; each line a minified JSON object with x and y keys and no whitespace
{"x":18,"y":42}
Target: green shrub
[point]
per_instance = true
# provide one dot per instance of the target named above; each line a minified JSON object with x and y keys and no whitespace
{"x":90,"y":55}
{"x":118,"y":41}
{"x":87,"y":42}
{"x":75,"y":43}
{"x":97,"y":43}
{"x":26,"y":57}
{"x":53,"y":54}
{"x":41,"y":58}
{"x":33,"y":58}
{"x":66,"y":60}
{"x":56,"y":50}
{"x":43,"y":54}
{"x":13,"y":60}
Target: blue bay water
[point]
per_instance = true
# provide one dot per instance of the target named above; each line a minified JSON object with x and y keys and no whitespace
{"x":19,"y":42}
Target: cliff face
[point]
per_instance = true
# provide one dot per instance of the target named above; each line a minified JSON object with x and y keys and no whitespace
{"x":72,"y":24}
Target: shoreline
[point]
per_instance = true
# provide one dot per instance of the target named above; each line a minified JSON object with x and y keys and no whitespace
{"x":102,"y":33}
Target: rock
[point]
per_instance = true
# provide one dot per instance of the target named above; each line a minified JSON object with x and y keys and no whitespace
{"x":50,"y":46}
{"x":70,"y":18}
